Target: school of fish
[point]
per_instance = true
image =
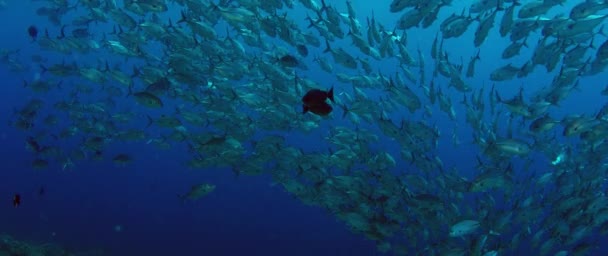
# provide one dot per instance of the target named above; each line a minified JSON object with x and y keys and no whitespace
{"x":228,"y":79}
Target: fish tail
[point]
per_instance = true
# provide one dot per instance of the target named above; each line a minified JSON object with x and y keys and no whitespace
{"x":150,"y":121}
{"x":323,"y":6}
{"x":130,"y":92}
{"x":183,"y":17}
{"x":136,"y":72}
{"x":593,"y":38}
{"x":327,"y":47}
{"x":312,"y":22}
{"x":44,"y":69}
{"x":498,"y":97}
{"x":499,"y":6}
{"x":345,"y":110}
{"x":330,"y":94}
{"x":62,"y":32}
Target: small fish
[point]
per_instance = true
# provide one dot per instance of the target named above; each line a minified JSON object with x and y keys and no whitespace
{"x":148,"y":99}
{"x":464,"y":228}
{"x":32,"y":145}
{"x":41,"y":191}
{"x":302,"y":50}
{"x":122,"y":159}
{"x":33,"y":32}
{"x":16,"y":200}
{"x":289,"y":61}
{"x":81,"y":33}
{"x":198,"y":191}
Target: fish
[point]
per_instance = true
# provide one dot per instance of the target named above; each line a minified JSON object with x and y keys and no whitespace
{"x":321,"y":110}
{"x":32,"y":145}
{"x":122,"y":159}
{"x":198,"y":191}
{"x":315,"y":101}
{"x":33,"y":32}
{"x":160,"y":86}
{"x":289,"y":61}
{"x":148,"y":99}
{"x":81,"y":33}
{"x":226,"y":90}
{"x":543,"y":124}
{"x":464,"y":228}
{"x":16,"y":200}
{"x":302,"y":50}
{"x":316,"y":96}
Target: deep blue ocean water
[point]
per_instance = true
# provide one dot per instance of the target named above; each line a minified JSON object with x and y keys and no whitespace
{"x":134,"y":209}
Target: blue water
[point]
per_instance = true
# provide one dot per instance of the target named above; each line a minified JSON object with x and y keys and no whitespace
{"x":135,"y":210}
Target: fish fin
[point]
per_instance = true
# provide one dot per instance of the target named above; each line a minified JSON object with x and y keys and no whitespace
{"x":136,"y":72}
{"x":183,"y":17}
{"x":330,"y":94}
{"x":150,"y":121}
{"x":345,"y":109}
{"x":130,"y":92}
{"x":499,"y":6}
{"x":591,"y":43}
{"x":312,"y":22}
{"x":323,"y":6}
{"x":498,"y":97}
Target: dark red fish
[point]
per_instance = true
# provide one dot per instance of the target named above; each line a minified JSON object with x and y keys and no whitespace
{"x":33,"y":32}
{"x":317,"y":97}
{"x":16,"y":200}
{"x":315,"y":101}
{"x":322,"y":110}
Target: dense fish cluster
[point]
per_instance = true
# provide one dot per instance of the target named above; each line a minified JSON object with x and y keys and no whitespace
{"x":229,"y":79}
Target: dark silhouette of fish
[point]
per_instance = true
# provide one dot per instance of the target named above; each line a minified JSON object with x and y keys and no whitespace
{"x":16,"y":200}
{"x":33,"y":32}
{"x":302,"y":50}
{"x":289,"y":61}
{"x":315,"y":101}
{"x":316,"y":96}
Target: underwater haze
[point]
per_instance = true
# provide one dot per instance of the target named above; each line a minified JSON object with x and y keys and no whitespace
{"x":304,"y":127}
